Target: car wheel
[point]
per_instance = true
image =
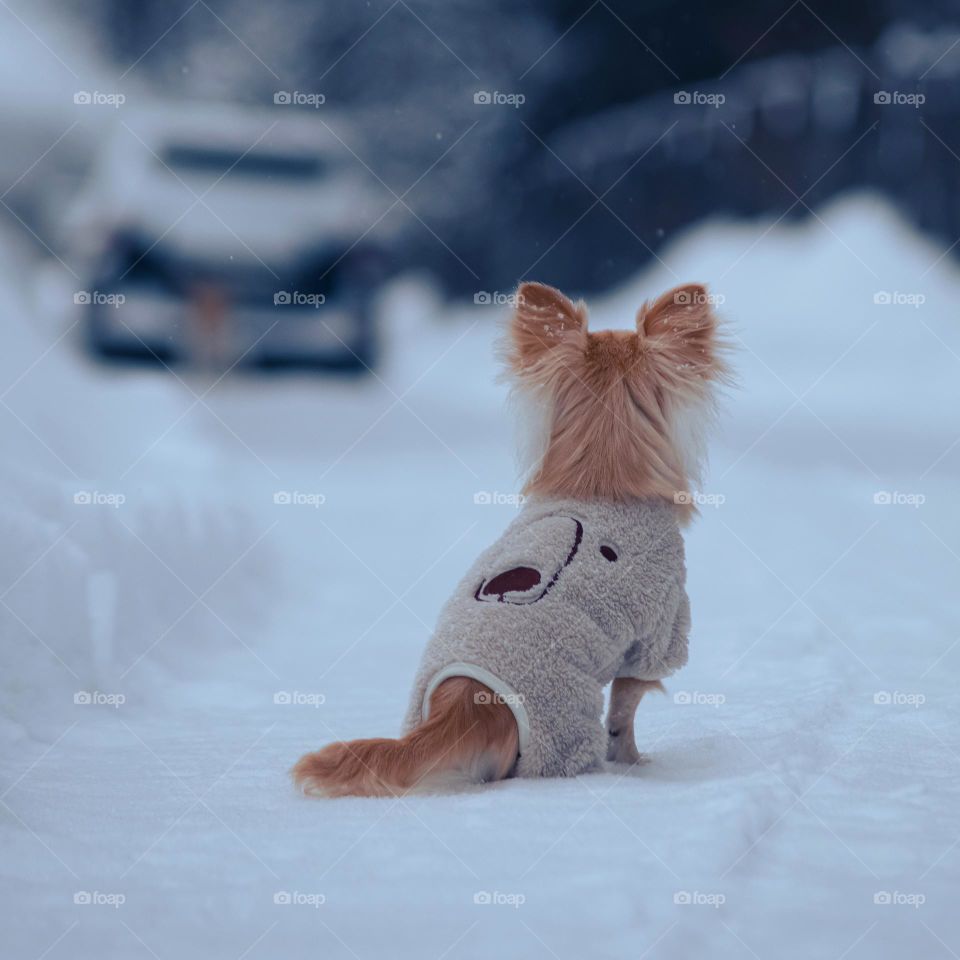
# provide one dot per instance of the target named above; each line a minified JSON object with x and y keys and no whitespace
{"x":104,"y":344}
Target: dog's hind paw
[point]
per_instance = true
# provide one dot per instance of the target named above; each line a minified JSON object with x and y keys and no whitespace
{"x":621,"y":749}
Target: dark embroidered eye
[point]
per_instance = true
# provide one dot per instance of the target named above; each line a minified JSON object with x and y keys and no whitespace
{"x":608,"y":553}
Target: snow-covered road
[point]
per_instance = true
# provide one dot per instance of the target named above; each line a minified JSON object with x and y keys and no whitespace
{"x":803,"y":797}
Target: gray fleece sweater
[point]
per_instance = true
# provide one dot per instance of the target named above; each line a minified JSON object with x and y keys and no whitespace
{"x":572,"y":595}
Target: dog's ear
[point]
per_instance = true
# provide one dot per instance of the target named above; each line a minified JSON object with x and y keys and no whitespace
{"x":543,"y":320}
{"x":679,"y":334}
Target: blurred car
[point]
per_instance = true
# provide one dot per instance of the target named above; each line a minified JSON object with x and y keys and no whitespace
{"x":222,"y":235}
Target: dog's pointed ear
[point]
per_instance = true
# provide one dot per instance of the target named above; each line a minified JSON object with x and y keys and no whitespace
{"x":679,"y":332}
{"x":543,"y":320}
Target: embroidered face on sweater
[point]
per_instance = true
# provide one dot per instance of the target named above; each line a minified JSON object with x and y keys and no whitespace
{"x":568,"y":559}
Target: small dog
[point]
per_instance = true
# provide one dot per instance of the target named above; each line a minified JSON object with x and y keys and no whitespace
{"x":586,"y":586}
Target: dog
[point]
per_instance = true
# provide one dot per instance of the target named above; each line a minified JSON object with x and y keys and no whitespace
{"x":586,"y":586}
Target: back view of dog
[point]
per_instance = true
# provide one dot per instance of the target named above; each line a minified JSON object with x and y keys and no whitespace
{"x":587,"y":584}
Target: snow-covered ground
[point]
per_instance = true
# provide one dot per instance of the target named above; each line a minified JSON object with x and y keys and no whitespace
{"x":803,"y":797}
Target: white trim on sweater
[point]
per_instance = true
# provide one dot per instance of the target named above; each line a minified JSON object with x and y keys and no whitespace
{"x":501,"y":689}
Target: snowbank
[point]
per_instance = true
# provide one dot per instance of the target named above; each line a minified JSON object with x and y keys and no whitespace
{"x":115,"y":519}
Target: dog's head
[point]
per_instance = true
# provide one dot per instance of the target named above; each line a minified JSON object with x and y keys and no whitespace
{"x":621,"y":414}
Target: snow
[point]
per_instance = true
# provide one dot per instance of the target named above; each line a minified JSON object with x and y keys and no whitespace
{"x":107,"y":531}
{"x":803,"y":765}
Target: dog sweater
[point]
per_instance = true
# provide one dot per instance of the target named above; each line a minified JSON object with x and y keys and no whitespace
{"x":572,"y":595}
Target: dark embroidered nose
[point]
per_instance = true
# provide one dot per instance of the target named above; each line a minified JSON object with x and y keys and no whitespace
{"x":516,"y":580}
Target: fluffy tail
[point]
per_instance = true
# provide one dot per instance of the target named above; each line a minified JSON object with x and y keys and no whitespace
{"x":469,"y":737}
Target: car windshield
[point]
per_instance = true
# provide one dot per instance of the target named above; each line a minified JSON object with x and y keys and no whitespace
{"x":256,"y":164}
